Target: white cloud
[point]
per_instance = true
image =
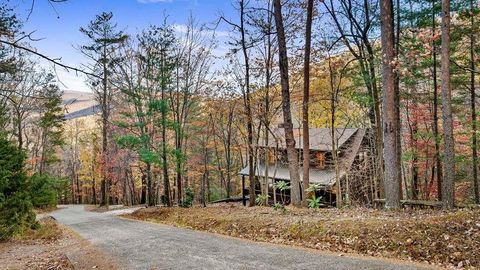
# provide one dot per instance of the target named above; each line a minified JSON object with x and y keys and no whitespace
{"x":153,"y":1}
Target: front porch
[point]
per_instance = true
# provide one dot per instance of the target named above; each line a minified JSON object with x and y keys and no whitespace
{"x":325,"y":179}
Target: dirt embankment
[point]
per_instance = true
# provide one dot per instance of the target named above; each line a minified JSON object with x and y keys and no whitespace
{"x":450,"y":239}
{"x":51,"y":246}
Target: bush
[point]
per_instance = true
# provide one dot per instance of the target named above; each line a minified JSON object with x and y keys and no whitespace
{"x":43,"y":190}
{"x":189,"y":196}
{"x":16,"y":215}
{"x":15,"y":205}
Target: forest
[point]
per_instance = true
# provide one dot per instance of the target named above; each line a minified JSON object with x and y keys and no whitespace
{"x":347,"y":104}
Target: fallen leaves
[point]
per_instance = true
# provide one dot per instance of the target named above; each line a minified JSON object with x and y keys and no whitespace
{"x":441,"y":238}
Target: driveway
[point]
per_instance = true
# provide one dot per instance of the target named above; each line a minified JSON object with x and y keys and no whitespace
{"x":140,"y":245}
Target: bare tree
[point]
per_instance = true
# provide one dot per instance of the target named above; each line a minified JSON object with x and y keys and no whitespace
{"x":306,"y":95}
{"x":244,"y":45}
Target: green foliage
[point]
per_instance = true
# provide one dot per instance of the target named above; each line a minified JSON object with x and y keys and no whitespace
{"x":129,"y":141}
{"x":45,"y":189}
{"x":15,"y":215}
{"x":282,"y":186}
{"x":261,"y":199}
{"x":313,"y":187}
{"x":216,"y":194}
{"x":314,"y":202}
{"x":189,"y":196}
{"x":15,"y":206}
{"x":149,"y":156}
{"x":281,"y":207}
{"x":51,"y":123}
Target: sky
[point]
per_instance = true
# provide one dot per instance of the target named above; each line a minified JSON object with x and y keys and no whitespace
{"x":57,"y":24}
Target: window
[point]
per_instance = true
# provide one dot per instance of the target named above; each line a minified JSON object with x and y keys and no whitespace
{"x":320,"y":160}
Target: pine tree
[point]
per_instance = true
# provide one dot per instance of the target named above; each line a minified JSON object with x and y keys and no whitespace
{"x":15,"y":206}
{"x":51,"y":124}
{"x":104,"y":39}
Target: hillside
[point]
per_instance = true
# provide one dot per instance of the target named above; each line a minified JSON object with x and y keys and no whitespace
{"x":79,"y":104}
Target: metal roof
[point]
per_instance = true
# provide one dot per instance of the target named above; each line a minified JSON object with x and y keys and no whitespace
{"x":320,"y":138}
{"x":322,"y":177}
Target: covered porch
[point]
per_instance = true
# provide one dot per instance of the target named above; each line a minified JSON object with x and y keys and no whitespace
{"x":325,"y":179}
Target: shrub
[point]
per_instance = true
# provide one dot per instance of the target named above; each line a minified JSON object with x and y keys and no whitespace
{"x":262,"y":199}
{"x":189,"y":196}
{"x":16,"y":215}
{"x":43,"y":190}
{"x":15,"y":206}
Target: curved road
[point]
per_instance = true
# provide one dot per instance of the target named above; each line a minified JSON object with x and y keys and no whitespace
{"x":140,"y":245}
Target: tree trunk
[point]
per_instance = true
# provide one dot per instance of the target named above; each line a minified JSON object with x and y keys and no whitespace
{"x":390,"y":116}
{"x":150,"y":189}
{"x":449,"y":151}
{"x":438,"y":162}
{"x":104,"y":184}
{"x":473,"y":105}
{"x":251,"y":176}
{"x":94,"y":192}
{"x":306,"y":95}
{"x":287,"y":115}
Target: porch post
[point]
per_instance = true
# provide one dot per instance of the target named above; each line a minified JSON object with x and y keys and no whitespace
{"x":243,"y":191}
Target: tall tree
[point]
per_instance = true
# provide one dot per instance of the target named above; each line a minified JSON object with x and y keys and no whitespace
{"x":244,"y":45}
{"x":191,"y":76}
{"x":438,"y":162}
{"x":473,"y":110}
{"x":449,"y":149}
{"x":355,"y":21}
{"x":104,"y":39}
{"x":137,"y":79}
{"x":390,"y":113}
{"x":287,"y":115}
{"x":51,"y":126}
{"x":306,"y":95}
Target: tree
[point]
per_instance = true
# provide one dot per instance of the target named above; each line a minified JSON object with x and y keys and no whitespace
{"x":193,"y":59}
{"x":144,"y":78}
{"x":287,"y":115}
{"x":104,"y":40}
{"x":473,"y":110}
{"x":306,"y":95}
{"x":51,"y":124}
{"x":390,"y":114}
{"x":15,"y":206}
{"x":355,"y":21}
{"x":244,"y":45}
{"x":449,"y":148}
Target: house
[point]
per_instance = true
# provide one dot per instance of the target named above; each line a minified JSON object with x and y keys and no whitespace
{"x":350,"y":145}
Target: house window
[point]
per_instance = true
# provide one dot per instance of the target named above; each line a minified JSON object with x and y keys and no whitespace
{"x":321,"y":160}
{"x":271,"y":157}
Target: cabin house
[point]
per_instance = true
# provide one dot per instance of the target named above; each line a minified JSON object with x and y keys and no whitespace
{"x":350,"y":144}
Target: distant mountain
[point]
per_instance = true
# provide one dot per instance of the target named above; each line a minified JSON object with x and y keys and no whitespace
{"x":79,"y":104}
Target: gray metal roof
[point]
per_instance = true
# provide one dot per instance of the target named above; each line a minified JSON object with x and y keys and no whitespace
{"x":322,"y":177}
{"x":320,"y":138}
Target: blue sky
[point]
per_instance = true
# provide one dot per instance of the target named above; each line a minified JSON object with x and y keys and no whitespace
{"x":58,"y":25}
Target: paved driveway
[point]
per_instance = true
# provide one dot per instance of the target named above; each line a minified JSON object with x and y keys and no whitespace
{"x":140,"y":245}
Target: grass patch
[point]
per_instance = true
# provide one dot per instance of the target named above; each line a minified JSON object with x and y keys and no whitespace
{"x":47,"y":229}
{"x":433,"y":236}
